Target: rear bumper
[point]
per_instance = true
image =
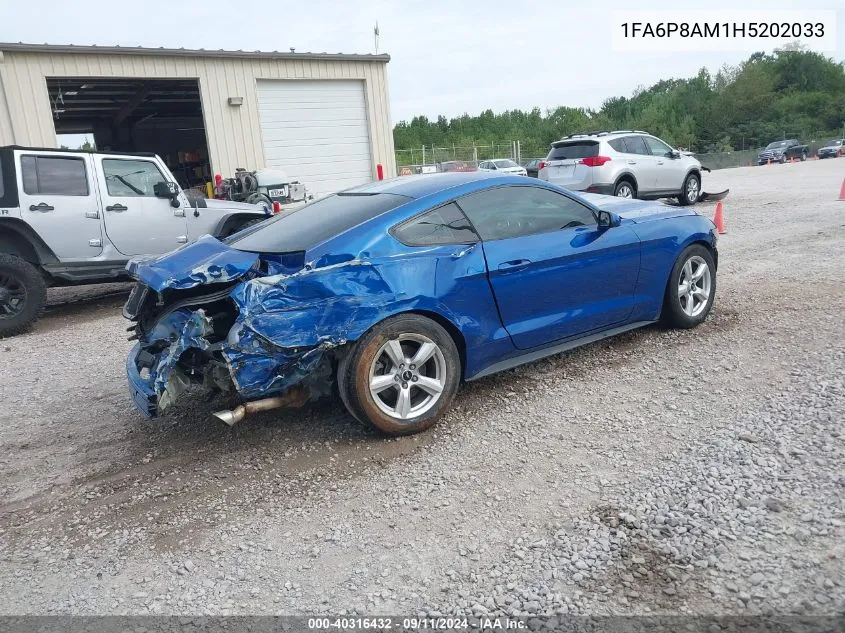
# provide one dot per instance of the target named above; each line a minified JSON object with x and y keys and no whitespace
{"x":605,"y":189}
{"x":142,"y":392}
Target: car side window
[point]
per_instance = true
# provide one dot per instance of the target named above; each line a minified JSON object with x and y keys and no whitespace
{"x":131,"y":178}
{"x":54,"y":176}
{"x":656,"y":146}
{"x":619,"y":145}
{"x":636,"y":145}
{"x":506,"y":212}
{"x":443,"y":225}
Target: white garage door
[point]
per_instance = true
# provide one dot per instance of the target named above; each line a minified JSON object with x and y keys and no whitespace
{"x":317,"y":132}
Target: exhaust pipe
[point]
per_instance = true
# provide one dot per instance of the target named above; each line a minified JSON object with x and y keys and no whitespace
{"x":295,"y":397}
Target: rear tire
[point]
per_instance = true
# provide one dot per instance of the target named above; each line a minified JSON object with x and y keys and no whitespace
{"x":625,"y":189}
{"x":23,"y":294}
{"x":691,"y":288}
{"x":380,"y":383}
{"x":803,"y":156}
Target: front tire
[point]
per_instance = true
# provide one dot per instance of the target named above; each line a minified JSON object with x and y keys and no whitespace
{"x":691,"y":288}
{"x":401,"y":376}
{"x":23,"y":294}
{"x":690,"y":190}
{"x":803,"y":156}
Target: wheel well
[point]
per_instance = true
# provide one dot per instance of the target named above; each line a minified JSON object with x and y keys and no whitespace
{"x":453,"y":331}
{"x":627,"y":177}
{"x":229,"y":224}
{"x":20,"y":240}
{"x":713,"y":253}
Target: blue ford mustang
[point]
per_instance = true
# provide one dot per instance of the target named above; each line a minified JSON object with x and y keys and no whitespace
{"x":392,"y":293}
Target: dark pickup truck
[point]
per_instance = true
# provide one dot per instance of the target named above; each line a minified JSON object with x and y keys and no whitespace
{"x":782,"y":151}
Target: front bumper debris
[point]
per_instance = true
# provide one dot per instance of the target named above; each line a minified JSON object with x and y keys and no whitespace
{"x":142,"y":391}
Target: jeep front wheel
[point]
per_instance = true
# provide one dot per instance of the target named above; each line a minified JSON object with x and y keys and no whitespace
{"x":23,"y":294}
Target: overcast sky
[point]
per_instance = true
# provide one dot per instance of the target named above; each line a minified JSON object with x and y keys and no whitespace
{"x":447,"y":57}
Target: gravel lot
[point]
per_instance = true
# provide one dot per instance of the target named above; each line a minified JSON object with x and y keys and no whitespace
{"x":663,"y":472}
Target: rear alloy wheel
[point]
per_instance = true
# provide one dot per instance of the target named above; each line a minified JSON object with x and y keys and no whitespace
{"x":803,"y":156}
{"x":22,"y":294}
{"x":691,"y":288}
{"x":401,"y":376}
{"x":624,"y":189}
{"x":691,"y":190}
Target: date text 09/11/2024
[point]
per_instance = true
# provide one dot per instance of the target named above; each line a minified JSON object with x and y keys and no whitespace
{"x":413,"y":624}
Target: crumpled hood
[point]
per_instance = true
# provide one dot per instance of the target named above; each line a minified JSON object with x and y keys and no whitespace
{"x":206,"y":261}
{"x":636,"y":211}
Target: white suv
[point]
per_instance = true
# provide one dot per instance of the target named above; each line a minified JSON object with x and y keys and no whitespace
{"x":75,"y":217}
{"x":628,"y":164}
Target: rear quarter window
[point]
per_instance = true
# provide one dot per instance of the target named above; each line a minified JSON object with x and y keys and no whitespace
{"x":444,"y":225}
{"x":572,"y":150}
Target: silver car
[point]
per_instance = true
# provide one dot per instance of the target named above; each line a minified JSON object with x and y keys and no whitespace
{"x":628,"y":164}
{"x":502,"y":166}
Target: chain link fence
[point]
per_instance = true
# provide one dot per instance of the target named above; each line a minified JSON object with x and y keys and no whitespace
{"x":430,"y":158}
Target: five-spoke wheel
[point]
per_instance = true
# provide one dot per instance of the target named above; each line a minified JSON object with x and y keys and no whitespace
{"x":401,"y":375}
{"x":691,"y":288}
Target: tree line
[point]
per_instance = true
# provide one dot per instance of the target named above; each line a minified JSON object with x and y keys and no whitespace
{"x":791,"y":92}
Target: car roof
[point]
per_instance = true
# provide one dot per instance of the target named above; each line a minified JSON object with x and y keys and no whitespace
{"x":421,"y":185}
{"x":77,"y":151}
{"x":599,"y":135}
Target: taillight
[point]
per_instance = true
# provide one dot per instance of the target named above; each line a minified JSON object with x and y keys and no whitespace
{"x":541,"y":165}
{"x":276,"y":207}
{"x":595,"y":161}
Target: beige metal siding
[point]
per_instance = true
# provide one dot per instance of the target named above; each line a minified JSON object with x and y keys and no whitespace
{"x":233,"y":132}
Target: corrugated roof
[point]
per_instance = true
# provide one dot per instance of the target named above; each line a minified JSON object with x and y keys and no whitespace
{"x":21,"y":47}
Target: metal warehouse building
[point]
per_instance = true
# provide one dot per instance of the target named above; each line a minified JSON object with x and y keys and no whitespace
{"x":323,"y":118}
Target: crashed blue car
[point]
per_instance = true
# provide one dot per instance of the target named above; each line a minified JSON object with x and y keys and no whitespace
{"x":393,"y":293}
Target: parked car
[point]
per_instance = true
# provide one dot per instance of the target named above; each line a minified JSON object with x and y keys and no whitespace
{"x":455,"y":165}
{"x":502,"y":166}
{"x":74,"y":217}
{"x":532,"y":167}
{"x":833,"y":149}
{"x":397,"y":291}
{"x":628,"y":164}
{"x":782,"y":151}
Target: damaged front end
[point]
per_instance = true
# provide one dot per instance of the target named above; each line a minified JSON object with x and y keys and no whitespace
{"x":194,"y":316}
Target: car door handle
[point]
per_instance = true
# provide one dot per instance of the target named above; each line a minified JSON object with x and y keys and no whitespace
{"x":41,"y":206}
{"x":660,"y":162}
{"x":514,"y":264}
{"x":117,"y":208}
{"x":632,"y":162}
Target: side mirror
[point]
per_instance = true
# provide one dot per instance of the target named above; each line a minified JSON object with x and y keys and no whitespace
{"x":608,"y":220}
{"x":166,"y":190}
{"x":674,"y":153}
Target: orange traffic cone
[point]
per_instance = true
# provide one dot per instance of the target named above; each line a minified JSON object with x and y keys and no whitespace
{"x":719,"y":219}
{"x":842,"y":191}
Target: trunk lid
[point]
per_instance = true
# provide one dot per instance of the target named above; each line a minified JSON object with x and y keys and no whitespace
{"x":205,"y":261}
{"x":565,"y":167}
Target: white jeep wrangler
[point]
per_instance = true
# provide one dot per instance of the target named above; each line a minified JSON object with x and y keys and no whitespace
{"x":73,"y":217}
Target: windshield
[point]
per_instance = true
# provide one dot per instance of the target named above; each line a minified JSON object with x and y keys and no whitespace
{"x":505,"y":163}
{"x":835,"y":142}
{"x":776,"y":144}
{"x":300,"y":229}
